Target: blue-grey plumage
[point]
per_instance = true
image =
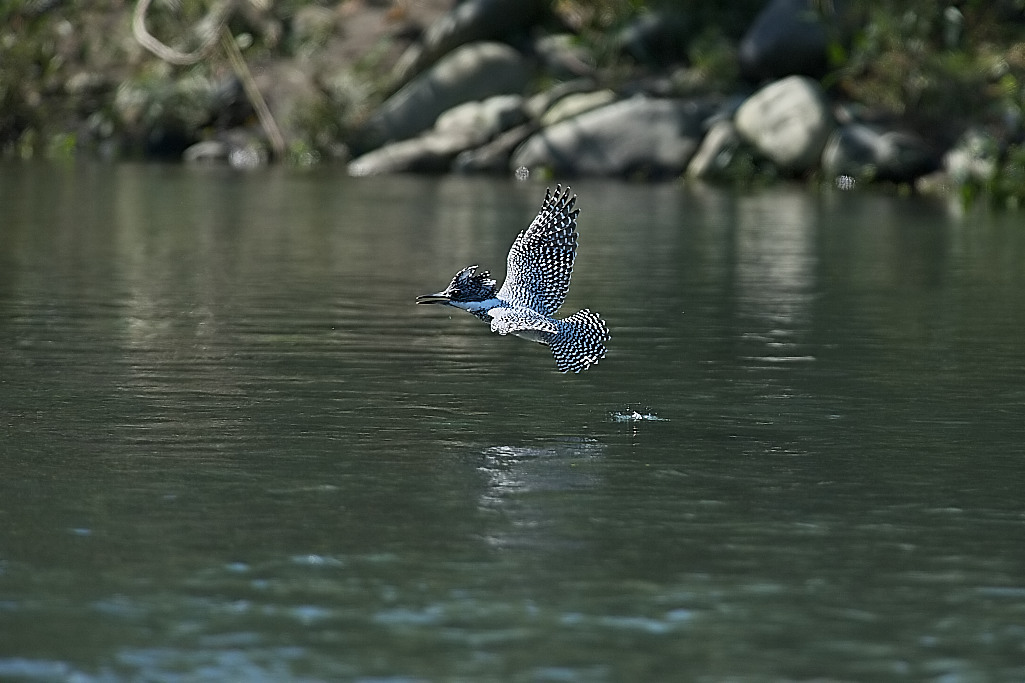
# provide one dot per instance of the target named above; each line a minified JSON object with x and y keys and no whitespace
{"x":538,"y":271}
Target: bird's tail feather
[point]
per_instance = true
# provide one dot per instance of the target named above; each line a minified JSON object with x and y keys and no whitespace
{"x":580,"y":341}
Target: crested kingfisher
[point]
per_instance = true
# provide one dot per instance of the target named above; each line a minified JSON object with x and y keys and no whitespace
{"x":538,"y":271}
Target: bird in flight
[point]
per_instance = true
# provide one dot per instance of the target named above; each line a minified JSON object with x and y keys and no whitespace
{"x":538,"y":270}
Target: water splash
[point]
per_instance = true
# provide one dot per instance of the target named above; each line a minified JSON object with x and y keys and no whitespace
{"x":634,"y":416}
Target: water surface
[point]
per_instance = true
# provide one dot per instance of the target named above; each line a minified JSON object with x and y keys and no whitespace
{"x":233,"y":448}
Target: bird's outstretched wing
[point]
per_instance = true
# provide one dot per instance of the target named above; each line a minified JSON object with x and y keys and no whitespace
{"x":540,"y":261}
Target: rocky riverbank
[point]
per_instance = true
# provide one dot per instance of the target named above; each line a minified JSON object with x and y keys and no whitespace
{"x":926,"y":96}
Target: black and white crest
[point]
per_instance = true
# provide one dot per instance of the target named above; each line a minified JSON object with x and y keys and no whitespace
{"x":469,"y":285}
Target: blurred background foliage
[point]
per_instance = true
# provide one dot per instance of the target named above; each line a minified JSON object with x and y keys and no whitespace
{"x":72,"y":77}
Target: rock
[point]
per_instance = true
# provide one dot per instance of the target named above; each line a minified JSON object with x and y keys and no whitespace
{"x":788,"y":121}
{"x":493,"y":157}
{"x":468,"y":21}
{"x":787,"y":37}
{"x":459,"y":129}
{"x":574,"y":105}
{"x":482,"y":121}
{"x":205,"y":152}
{"x":715,"y":152}
{"x":429,"y":153}
{"x":238,"y":148}
{"x":868,"y":153}
{"x":655,"y":38}
{"x":473,"y":72}
{"x":653,"y":137}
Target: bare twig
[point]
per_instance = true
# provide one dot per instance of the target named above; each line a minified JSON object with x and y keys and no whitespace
{"x":218,"y":21}
{"x":263,"y":113}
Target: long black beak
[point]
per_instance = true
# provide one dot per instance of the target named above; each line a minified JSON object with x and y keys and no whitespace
{"x":439,"y":298}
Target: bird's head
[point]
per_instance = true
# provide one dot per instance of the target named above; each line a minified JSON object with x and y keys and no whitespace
{"x":467,"y":285}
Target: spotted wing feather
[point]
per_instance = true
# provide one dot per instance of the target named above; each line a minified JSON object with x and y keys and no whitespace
{"x":540,"y":262}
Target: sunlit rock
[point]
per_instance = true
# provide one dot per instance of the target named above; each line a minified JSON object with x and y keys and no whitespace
{"x":485,"y":119}
{"x":788,"y":121}
{"x":639,"y":136}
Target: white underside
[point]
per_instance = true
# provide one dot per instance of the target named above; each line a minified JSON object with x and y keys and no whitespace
{"x":476,"y":306}
{"x":498,"y":309}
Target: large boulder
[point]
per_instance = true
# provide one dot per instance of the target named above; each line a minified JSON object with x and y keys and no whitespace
{"x":789,"y":122}
{"x":472,"y":72}
{"x":652,"y":137}
{"x":468,"y":21}
{"x":787,"y":38}
{"x":869,"y":153}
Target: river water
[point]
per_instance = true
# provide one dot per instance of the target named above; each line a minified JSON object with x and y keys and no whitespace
{"x":232,"y":448}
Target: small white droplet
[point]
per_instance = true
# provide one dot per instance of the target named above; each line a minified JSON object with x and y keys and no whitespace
{"x":522,"y":173}
{"x":845,"y":182}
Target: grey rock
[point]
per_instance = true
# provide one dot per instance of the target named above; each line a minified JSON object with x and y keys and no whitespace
{"x":238,"y":148}
{"x":205,"y":152}
{"x":787,"y":37}
{"x":472,"y":72}
{"x":468,"y":21}
{"x":429,"y":153}
{"x":788,"y":121}
{"x":459,"y":129}
{"x":483,"y":120}
{"x":574,"y":105}
{"x":652,"y":137}
{"x":868,"y":153}
{"x":493,"y":157}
